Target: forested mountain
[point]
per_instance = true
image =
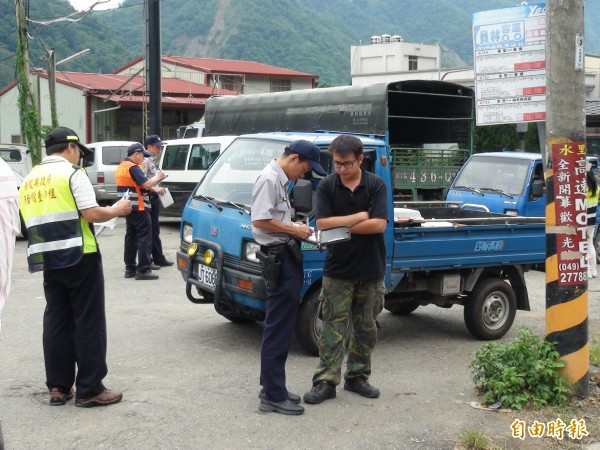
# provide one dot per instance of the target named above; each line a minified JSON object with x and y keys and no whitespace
{"x":311,"y":36}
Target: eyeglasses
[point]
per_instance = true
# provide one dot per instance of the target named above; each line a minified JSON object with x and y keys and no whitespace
{"x":346,"y":165}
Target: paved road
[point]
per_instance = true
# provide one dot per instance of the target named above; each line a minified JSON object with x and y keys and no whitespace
{"x":190,"y":378}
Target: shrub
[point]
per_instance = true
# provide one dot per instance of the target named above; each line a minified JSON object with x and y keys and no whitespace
{"x":521,"y":373}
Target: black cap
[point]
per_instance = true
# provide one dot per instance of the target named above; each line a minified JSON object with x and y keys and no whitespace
{"x":153,"y":139}
{"x":62,"y":135}
{"x":137,"y":147}
{"x":310,"y":151}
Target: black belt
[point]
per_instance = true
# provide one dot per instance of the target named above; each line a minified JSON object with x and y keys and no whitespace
{"x":273,"y":248}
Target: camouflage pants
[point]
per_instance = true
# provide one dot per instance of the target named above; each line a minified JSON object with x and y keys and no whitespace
{"x":348,"y":310}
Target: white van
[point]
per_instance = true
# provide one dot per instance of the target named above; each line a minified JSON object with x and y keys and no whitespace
{"x":18,"y":157}
{"x":185,"y":161}
{"x":101,"y":167}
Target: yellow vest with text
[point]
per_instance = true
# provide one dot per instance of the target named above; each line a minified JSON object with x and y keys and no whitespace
{"x":58,"y":235}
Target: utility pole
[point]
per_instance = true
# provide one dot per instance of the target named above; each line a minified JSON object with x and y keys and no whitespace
{"x":52,"y":86}
{"x":28,"y":112}
{"x":566,"y":267}
{"x":153,"y":65}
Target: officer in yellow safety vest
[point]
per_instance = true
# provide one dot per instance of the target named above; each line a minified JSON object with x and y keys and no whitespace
{"x":59,"y":207}
{"x":132,"y":181}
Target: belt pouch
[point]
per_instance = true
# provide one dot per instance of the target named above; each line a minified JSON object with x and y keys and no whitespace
{"x":271,"y":268}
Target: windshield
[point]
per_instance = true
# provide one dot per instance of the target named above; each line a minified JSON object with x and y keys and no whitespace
{"x":507,"y":175}
{"x":232,"y":176}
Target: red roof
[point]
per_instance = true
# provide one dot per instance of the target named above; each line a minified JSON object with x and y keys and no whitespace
{"x":226,"y":66}
{"x":130,"y":100}
{"x":122,"y":83}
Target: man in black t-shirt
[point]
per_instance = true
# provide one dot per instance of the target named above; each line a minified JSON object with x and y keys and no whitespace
{"x":353,"y":288}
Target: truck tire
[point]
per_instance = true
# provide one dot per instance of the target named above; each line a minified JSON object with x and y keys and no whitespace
{"x":308,"y":325}
{"x":401,"y":309}
{"x":490,"y":309}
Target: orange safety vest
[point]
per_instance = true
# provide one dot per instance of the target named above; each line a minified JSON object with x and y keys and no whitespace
{"x":139,"y":199}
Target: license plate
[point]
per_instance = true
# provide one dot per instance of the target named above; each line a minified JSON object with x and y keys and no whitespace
{"x":207,"y":275}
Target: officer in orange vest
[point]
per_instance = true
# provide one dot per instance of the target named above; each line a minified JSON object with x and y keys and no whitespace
{"x":138,"y":236}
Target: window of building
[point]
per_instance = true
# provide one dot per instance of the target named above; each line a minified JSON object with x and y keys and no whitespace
{"x":15,"y":139}
{"x":281,"y":84}
{"x":412,"y":62}
{"x":232,"y":83}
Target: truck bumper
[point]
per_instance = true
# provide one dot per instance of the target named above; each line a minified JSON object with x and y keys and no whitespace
{"x":235,"y":290}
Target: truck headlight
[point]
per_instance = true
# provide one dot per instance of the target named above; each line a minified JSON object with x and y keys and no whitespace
{"x":511,"y":212}
{"x":187,"y":233}
{"x":250,"y":249}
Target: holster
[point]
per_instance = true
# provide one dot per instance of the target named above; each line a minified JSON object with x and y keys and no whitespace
{"x":270,"y":267}
{"x":295,"y":250}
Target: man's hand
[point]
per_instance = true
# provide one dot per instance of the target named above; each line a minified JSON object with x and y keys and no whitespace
{"x":159,"y":190}
{"x":302,"y":231}
{"x":123,"y":207}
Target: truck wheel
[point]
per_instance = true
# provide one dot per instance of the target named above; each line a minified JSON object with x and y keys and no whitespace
{"x":401,"y":309}
{"x":490,"y":309}
{"x":308,"y":325}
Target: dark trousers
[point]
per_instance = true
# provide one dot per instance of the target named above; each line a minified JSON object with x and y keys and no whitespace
{"x":282,"y":309}
{"x":138,"y":240}
{"x":157,"y":251}
{"x":74,"y":335}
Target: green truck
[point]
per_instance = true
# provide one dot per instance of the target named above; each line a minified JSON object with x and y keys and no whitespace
{"x":427,"y":125}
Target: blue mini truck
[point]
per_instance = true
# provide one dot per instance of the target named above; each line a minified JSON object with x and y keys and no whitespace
{"x":435,"y":254}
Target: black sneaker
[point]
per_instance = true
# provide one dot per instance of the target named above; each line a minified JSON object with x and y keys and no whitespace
{"x":361,"y":386}
{"x":320,"y":392}
{"x":146,"y":275}
{"x":287,"y":407}
{"x":165,"y":263}
{"x":130,"y":273}
{"x":292,"y":397}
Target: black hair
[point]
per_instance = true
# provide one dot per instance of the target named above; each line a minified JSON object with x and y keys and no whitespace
{"x":57,"y":148}
{"x":592,"y":184}
{"x":345,"y":144}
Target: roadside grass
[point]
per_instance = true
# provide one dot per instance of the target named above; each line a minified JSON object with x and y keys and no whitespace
{"x":595,"y":351}
{"x":583,"y":415}
{"x":474,"y":440}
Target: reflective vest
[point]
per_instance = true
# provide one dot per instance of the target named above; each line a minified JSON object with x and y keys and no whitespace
{"x":126,"y":183}
{"x":592,"y":206}
{"x":58,"y":235}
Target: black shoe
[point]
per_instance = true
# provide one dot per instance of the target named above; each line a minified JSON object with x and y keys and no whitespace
{"x":361,"y":386}
{"x":287,"y":407}
{"x":154,"y":267}
{"x":130,"y":273}
{"x":165,"y":263}
{"x":146,"y":275}
{"x":321,"y":391}
{"x":292,"y":397}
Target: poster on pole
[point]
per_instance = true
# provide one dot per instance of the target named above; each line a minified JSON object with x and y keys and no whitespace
{"x":569,"y":163}
{"x":510,"y":64}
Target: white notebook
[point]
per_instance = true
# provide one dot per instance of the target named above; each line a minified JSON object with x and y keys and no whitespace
{"x":166,"y":199}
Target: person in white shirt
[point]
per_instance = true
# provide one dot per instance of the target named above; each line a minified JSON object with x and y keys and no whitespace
{"x":9,"y":228}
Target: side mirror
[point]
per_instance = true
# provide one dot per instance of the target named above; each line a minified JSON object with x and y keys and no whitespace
{"x":537,"y":188}
{"x":302,"y":196}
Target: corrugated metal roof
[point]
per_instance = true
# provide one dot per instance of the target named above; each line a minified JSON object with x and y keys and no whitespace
{"x":123,"y":83}
{"x":130,"y":100}
{"x":234,"y":66}
{"x":592,"y":107}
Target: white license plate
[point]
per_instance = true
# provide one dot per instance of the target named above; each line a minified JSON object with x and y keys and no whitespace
{"x":207,"y":275}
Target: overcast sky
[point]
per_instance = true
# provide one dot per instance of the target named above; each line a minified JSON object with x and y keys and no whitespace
{"x":84,"y":4}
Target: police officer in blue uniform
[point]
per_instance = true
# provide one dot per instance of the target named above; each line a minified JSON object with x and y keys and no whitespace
{"x":274,"y":230}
